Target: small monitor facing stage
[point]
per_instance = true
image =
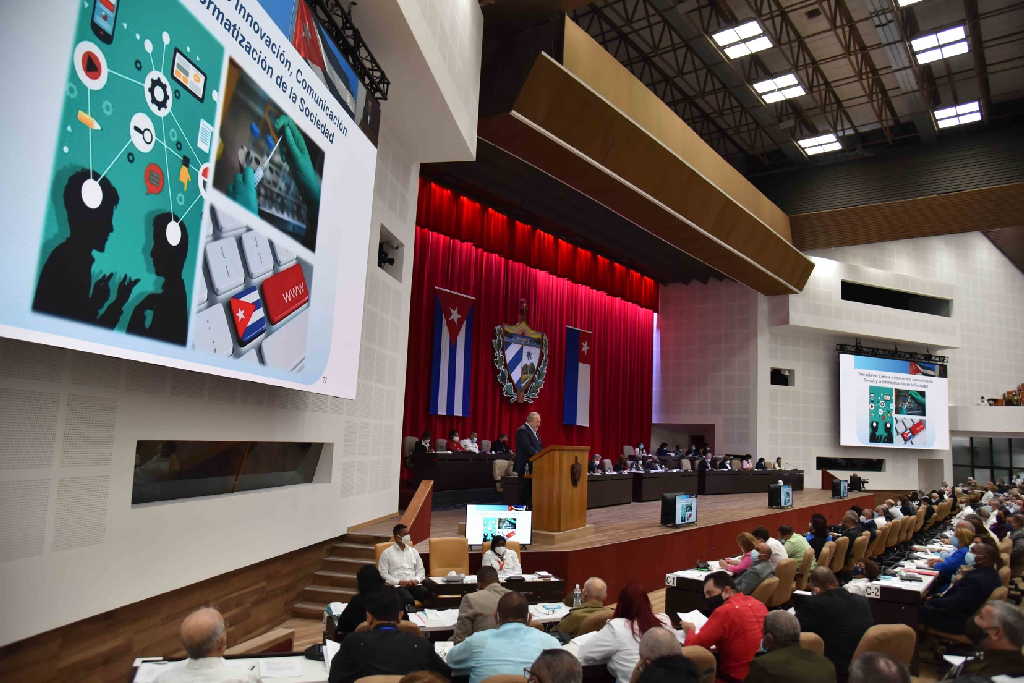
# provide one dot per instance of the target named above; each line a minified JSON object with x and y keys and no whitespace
{"x":484,"y":522}
{"x":678,"y":509}
{"x":840,"y":488}
{"x":780,"y":496}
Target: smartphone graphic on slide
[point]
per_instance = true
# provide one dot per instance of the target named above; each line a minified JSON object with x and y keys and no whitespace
{"x":104,"y":19}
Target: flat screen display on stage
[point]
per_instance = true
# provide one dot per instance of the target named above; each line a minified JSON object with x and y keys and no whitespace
{"x":892,"y":403}
{"x":484,"y":522}
{"x":192,"y":188}
{"x":678,"y":509}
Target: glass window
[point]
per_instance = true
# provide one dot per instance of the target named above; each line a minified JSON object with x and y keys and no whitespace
{"x":962,"y":450}
{"x":982,"y":475}
{"x":1018,"y":446}
{"x":1001,"y":452}
{"x":982,"y":447}
{"x":1000,"y":474}
{"x":961,"y":473}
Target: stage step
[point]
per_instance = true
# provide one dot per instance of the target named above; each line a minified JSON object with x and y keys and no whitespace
{"x":366,"y":539}
{"x":334,"y":563}
{"x":317,"y":593}
{"x":335,"y":581}
{"x":352,"y":550}
{"x":327,"y":577}
{"x":308,"y":610}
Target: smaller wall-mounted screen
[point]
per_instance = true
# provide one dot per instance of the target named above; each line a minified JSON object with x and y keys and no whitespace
{"x":484,"y":522}
{"x":171,"y":470}
{"x":892,"y":403}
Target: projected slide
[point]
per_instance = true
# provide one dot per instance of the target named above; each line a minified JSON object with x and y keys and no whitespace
{"x":892,"y":403}
{"x":204,"y":196}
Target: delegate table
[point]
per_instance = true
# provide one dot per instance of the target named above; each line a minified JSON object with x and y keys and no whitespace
{"x":609,"y":489}
{"x":649,"y":486}
{"x":536,"y":590}
{"x":457,"y":471}
{"x":747,"y":481}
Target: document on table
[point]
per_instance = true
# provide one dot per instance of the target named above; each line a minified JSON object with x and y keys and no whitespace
{"x":148,"y":672}
{"x":442,"y":648}
{"x":331,"y":648}
{"x":433,"y":618}
{"x":553,"y":611}
{"x":694,"y":617}
{"x":280,"y":667}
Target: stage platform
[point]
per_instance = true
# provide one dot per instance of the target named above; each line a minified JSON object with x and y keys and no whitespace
{"x":628,"y":543}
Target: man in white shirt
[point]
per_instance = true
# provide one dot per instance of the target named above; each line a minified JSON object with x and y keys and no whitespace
{"x":775,"y":545}
{"x":205,"y":638}
{"x":893,"y":509}
{"x":400,"y":566}
{"x":471,"y":444}
{"x":880,"y":520}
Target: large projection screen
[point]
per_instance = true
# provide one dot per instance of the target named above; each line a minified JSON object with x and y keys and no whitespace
{"x":189,"y":183}
{"x":892,"y":403}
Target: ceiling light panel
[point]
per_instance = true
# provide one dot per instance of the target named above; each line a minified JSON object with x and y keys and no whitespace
{"x":780,"y":88}
{"x":943,"y":44}
{"x":742,"y":40}
{"x":947,"y":117}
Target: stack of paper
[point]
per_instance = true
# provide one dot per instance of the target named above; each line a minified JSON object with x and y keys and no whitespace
{"x":442,"y":648}
{"x":694,"y":617}
{"x":435,"y":619}
{"x":331,"y":648}
{"x":281,"y":667}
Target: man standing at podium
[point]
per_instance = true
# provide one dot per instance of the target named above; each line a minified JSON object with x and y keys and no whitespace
{"x":527,"y":442}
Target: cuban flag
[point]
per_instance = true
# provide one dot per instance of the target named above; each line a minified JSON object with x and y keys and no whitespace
{"x":247,"y":314}
{"x":576,"y":397}
{"x":453,"y":353}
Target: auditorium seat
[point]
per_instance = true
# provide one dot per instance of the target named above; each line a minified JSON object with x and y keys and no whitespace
{"x":408,"y":443}
{"x":877,"y":546}
{"x":839,"y":554}
{"x":860,"y":547}
{"x":827,"y":552}
{"x":684,"y":465}
{"x":628,"y":451}
{"x":595,"y":621}
{"x":813,"y":642}
{"x":703,"y":661}
{"x":440,"y":444}
{"x":379,"y":678}
{"x":448,"y":553}
{"x":766,"y":589}
{"x":485,"y":446}
{"x":379,"y":548}
{"x":896,"y":640}
{"x":1000,"y":593}
{"x":786,"y":574}
{"x":1004,"y":575}
{"x":803,"y":572}
{"x":504,"y":678}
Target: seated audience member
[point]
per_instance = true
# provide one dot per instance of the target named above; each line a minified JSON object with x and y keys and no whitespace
{"x":595,"y":592}
{"x":501,"y":557}
{"x":401,"y":566}
{"x":368,"y":580}
{"x":617,"y":643}
{"x":962,"y":539}
{"x":760,"y":569}
{"x":835,"y":614}
{"x":761,"y":464}
{"x":785,"y":659}
{"x":508,"y":649}
{"x":471,"y":443}
{"x":1017,"y":527}
{"x":866,"y":569}
{"x":907,"y":506}
{"x":383,"y":649}
{"x":980,"y":529}
{"x":852,"y":529}
{"x":997,"y":631}
{"x":880,"y":518}
{"x":204,"y":637}
{"x":892,"y":510}
{"x":1000,"y":527}
{"x":661,"y":659}
{"x":454,"y":445}
{"x":949,"y":611}
{"x":875,"y":667}
{"x":500,"y":445}
{"x":778,"y":551}
{"x":420,"y":457}
{"x":734,"y":629}
{"x":778,"y":463}
{"x":747,"y":463}
{"x":555,"y":666}
{"x":663,"y":451}
{"x":795,"y":545}
{"x":818,"y":534}
{"x":594,"y":467}
{"x":1016,"y":586}
{"x":747,"y":544}
{"x":477,"y":609}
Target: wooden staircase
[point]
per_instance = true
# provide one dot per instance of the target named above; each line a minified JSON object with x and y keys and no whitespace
{"x":335,"y":581}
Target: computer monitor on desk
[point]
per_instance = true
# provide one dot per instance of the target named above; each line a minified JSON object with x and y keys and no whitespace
{"x":678,"y":509}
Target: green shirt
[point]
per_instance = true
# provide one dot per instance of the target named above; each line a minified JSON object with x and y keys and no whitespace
{"x":796,"y":545}
{"x":571,"y":622}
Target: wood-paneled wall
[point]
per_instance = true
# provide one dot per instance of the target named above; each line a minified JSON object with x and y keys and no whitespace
{"x":101,"y":648}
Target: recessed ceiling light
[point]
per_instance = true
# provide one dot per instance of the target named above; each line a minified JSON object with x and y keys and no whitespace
{"x":904,"y":3}
{"x":742,"y":40}
{"x":779,"y":88}
{"x":949,"y":42}
{"x":947,"y":117}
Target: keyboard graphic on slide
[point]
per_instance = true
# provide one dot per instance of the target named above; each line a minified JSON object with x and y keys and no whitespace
{"x":252,"y":298}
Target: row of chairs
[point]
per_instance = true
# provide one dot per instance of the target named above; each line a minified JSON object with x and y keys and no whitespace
{"x":448,"y":553}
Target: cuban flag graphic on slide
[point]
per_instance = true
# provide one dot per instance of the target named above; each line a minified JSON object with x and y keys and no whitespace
{"x":247,"y":314}
{"x":576,"y":398}
{"x":453,"y":353}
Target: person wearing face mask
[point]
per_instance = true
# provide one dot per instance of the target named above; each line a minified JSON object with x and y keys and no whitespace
{"x":401,"y":566}
{"x":735,"y":627}
{"x":760,"y":569}
{"x":948,"y":612}
{"x":501,"y":557}
{"x":785,"y":660}
{"x":962,"y":538}
{"x":997,"y":630}
{"x":835,"y":614}
{"x":471,"y":443}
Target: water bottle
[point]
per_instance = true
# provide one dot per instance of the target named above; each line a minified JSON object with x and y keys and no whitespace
{"x":577,"y":596}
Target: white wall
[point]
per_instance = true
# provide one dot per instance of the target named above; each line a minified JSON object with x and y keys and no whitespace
{"x":72,"y":545}
{"x":717,"y":343}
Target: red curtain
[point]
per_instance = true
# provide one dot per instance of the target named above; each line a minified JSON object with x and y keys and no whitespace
{"x":620,"y":403}
{"x":444,"y":211}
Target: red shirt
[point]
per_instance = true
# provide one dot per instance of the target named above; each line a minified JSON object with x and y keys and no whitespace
{"x":454,"y":445}
{"x":735,"y":629}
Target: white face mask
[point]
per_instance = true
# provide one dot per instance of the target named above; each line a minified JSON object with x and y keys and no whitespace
{"x":407,"y":540}
{"x":499,"y":551}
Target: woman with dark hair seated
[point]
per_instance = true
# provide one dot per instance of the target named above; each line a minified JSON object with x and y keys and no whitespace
{"x":368,"y":580}
{"x":818,"y":535}
{"x":618,"y":643}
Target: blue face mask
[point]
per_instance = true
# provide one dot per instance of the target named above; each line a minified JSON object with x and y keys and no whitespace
{"x":969,"y":559}
{"x":956,"y":542}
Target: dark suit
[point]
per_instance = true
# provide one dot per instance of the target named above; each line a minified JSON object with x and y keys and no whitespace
{"x":949,"y":612}
{"x":386,"y":651}
{"x":792,"y":664}
{"x":840,"y":618}
{"x":527,"y":445}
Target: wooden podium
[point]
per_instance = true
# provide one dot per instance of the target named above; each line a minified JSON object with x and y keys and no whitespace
{"x":558,"y":506}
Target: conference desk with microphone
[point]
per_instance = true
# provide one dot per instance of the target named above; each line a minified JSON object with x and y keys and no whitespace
{"x":715,"y":482}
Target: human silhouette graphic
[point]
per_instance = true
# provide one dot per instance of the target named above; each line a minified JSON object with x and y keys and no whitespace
{"x":168,"y":308}
{"x":65,"y":286}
